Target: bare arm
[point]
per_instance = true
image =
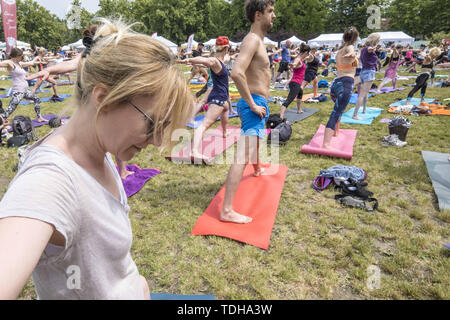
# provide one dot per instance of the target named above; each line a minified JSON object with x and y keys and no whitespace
{"x":248,"y":50}
{"x":211,"y":63}
{"x":7,"y":64}
{"x":61,"y":68}
{"x":22,"y":242}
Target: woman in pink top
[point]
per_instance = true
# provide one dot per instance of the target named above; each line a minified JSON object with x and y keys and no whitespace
{"x":295,"y":86}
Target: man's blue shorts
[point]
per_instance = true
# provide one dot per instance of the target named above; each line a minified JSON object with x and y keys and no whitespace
{"x":251,"y":123}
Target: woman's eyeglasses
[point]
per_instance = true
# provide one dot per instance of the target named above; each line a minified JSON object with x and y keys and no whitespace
{"x":151,"y":123}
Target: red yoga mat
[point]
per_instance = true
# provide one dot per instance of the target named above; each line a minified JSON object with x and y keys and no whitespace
{"x":256,"y":197}
{"x":343,"y":144}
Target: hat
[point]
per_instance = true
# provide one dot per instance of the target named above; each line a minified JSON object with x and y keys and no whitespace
{"x":222,"y":41}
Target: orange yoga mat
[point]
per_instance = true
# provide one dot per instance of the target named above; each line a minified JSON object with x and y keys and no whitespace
{"x":256,"y":197}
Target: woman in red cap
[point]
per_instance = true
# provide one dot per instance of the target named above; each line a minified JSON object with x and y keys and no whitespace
{"x":218,"y":100}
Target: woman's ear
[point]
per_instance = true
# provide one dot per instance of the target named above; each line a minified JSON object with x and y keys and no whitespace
{"x":99,"y":94}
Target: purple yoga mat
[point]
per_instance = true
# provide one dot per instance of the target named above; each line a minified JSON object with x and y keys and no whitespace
{"x":47,"y":117}
{"x":37,"y":124}
{"x":135,"y":182}
{"x":387,"y":90}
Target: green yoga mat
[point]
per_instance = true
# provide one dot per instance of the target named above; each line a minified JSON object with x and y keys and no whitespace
{"x":439,"y":171}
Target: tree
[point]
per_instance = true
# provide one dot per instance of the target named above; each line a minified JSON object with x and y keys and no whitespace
{"x":420,"y":18}
{"x":37,"y":26}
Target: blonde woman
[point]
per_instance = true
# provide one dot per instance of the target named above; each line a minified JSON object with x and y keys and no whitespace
{"x":369,"y":60}
{"x":73,"y":234}
{"x":219,"y":98}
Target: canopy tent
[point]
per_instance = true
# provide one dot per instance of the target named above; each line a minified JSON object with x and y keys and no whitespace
{"x":172,"y":46}
{"x":329,"y":39}
{"x":210,"y":43}
{"x":77,"y":45}
{"x":194,"y":44}
{"x":294,"y":40}
{"x":395,"y":37}
{"x":267,"y":41}
{"x":23,"y":45}
{"x":2,"y":45}
{"x":417,"y":44}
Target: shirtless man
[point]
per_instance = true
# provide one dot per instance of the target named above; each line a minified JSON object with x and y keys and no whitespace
{"x":251,"y":74}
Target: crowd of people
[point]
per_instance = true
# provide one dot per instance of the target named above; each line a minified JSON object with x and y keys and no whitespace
{"x":130,"y":93}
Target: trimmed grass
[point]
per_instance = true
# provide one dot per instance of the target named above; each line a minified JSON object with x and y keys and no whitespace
{"x":318,"y":249}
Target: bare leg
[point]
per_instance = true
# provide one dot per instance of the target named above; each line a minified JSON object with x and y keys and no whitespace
{"x":213,"y":113}
{"x":327,"y":139}
{"x":315,"y":87}
{"x":336,"y":131}
{"x":233,"y":180}
{"x":224,"y":120}
{"x":299,"y":106}
{"x":124,"y":173}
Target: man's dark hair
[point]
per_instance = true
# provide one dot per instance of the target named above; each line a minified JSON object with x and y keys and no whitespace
{"x":252,"y":6}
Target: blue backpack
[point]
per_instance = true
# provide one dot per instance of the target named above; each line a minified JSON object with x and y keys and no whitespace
{"x":338,"y":174}
{"x":323,"y":84}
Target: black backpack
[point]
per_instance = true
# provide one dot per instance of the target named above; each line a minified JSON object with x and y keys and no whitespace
{"x":273,"y":121}
{"x":23,"y":132}
{"x":281,"y":134}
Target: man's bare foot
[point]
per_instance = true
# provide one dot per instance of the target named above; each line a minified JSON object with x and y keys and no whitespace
{"x":299,"y":111}
{"x":231,"y":216}
{"x":336,"y":133}
{"x":356,"y":118}
{"x":125,"y":174}
{"x":40,"y":119}
{"x":258,"y":172}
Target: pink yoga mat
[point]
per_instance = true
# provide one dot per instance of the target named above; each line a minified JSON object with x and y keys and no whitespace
{"x":343,"y":144}
{"x":213,"y":144}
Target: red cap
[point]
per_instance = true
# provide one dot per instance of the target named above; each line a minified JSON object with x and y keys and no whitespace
{"x":222,"y":41}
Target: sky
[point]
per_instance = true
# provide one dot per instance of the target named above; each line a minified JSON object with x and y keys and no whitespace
{"x":60,"y":7}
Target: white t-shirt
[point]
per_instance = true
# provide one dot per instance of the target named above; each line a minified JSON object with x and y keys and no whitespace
{"x":95,"y":263}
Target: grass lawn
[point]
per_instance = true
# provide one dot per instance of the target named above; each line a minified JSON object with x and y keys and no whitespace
{"x":318,"y":249}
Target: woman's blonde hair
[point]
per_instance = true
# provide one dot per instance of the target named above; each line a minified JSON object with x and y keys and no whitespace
{"x":435,"y":52}
{"x":372,"y":40}
{"x":131,"y":64}
{"x":222,"y":48}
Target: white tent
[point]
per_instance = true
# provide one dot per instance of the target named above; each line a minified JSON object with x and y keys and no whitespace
{"x":210,"y":43}
{"x":330,"y":39}
{"x":77,"y":45}
{"x":267,"y":41}
{"x":22,"y":45}
{"x":294,"y":40}
{"x":397,"y":37}
{"x":194,"y":44}
{"x":172,"y":46}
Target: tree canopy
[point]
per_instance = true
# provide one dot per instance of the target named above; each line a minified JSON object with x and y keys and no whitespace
{"x":177,"y":19}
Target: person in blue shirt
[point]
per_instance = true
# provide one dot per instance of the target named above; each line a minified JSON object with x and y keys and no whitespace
{"x":285,"y":61}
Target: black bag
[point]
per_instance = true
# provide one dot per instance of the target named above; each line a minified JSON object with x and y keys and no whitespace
{"x":325,"y":73}
{"x":273,"y":121}
{"x":23,"y":132}
{"x":281,"y":134}
{"x":17,"y":141}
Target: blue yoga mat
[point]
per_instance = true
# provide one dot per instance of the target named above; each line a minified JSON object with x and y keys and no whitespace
{"x":354,"y":98}
{"x":167,"y":296}
{"x":199,"y":119}
{"x":367,"y":118}
{"x":413,"y":101}
{"x":46,"y":99}
{"x":197,"y":82}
